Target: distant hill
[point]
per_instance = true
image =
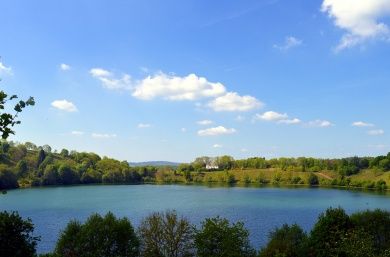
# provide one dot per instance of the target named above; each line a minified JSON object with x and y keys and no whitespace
{"x":154,"y":163}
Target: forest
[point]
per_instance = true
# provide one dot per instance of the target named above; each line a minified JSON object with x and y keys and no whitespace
{"x":26,"y":164}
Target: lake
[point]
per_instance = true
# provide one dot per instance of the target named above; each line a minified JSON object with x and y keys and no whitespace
{"x":261,"y":209}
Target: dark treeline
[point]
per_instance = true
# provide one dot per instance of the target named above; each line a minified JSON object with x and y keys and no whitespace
{"x":30,"y":165}
{"x":335,"y":234}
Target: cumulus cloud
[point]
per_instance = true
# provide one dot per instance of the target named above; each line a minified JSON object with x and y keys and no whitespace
{"x":103,"y":136}
{"x":144,"y":125}
{"x":362,"y":124}
{"x":376,"y":132}
{"x":277,"y":117}
{"x":4,"y":69}
{"x":216,"y":131}
{"x":77,"y":133}
{"x":232,"y":102}
{"x":320,"y":123}
{"x":290,"y":121}
{"x":271,"y":116}
{"x":64,"y":67}
{"x":359,"y":18}
{"x":205,"y":122}
{"x":169,"y":87}
{"x":64,"y":105}
{"x":217,"y":146}
{"x":289,"y":42}
{"x":109,"y":81}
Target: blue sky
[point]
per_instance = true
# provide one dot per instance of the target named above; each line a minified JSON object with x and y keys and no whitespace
{"x":173,"y":80}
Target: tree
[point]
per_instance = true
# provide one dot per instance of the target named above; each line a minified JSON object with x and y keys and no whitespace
{"x":376,"y":224}
{"x":327,"y":235}
{"x":99,"y":236}
{"x":50,"y":175}
{"x":166,"y":235}
{"x":218,"y":238}
{"x":67,"y":175}
{"x":7,"y":120}
{"x":7,"y":178}
{"x":313,"y":179}
{"x":16,"y":238}
{"x":287,"y":241}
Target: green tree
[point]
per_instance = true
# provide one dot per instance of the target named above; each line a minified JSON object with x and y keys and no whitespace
{"x":218,"y":238}
{"x":327,"y":235}
{"x":376,"y":224}
{"x":8,"y":120}
{"x":67,"y":175}
{"x":313,"y":179}
{"x":99,"y":236}
{"x":8,"y":179}
{"x":287,"y":241}
{"x":166,"y":235}
{"x":16,"y":238}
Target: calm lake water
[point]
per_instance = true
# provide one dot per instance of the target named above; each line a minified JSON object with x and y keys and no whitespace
{"x":261,"y":209}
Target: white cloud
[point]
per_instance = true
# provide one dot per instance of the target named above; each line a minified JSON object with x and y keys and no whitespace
{"x":362,"y":124}
{"x":110,"y":82}
{"x":376,"y":132}
{"x":244,"y":150}
{"x":64,"y":105}
{"x":359,"y":18}
{"x":271,"y":116}
{"x":64,"y":67}
{"x":289,"y":42}
{"x":103,"y":136}
{"x":290,"y":121}
{"x":320,"y":123}
{"x":233,"y":102}
{"x":5,"y":70}
{"x":216,"y":131}
{"x":183,"y":130}
{"x":217,"y":146}
{"x":205,"y":122}
{"x":175,"y":88}
{"x":77,"y":133}
{"x":144,"y":125}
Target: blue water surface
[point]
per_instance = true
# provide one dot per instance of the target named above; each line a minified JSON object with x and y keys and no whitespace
{"x":261,"y":209}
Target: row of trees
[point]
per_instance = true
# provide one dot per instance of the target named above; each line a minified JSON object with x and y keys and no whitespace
{"x":27,"y":164}
{"x":345,"y":166}
{"x":365,"y":234}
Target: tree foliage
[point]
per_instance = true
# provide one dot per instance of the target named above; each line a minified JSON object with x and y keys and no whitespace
{"x":218,"y":238}
{"x":99,"y":236}
{"x":166,"y":235}
{"x":16,"y":237}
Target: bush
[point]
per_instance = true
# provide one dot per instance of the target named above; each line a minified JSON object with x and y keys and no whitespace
{"x":16,"y":238}
{"x":313,"y":179}
{"x":217,"y":238}
{"x":98,"y":237}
